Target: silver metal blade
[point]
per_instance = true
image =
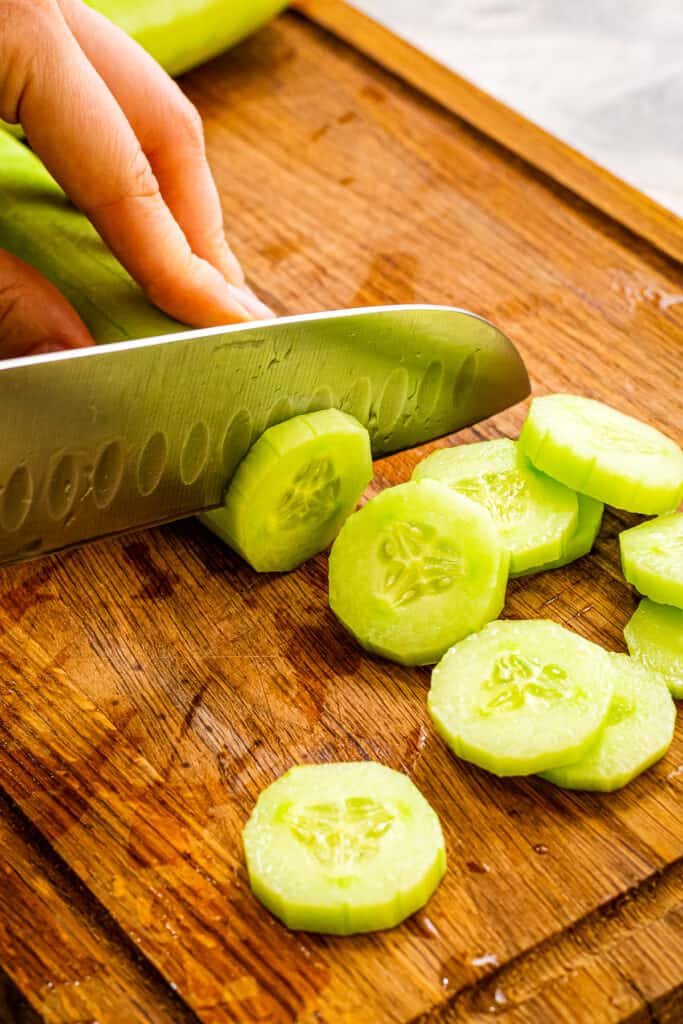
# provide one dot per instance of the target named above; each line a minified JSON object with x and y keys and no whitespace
{"x":99,"y":441}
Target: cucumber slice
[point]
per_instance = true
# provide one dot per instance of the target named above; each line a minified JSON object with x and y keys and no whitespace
{"x":521,"y":697}
{"x":418,"y":568}
{"x":638,"y":731}
{"x":535,"y":515}
{"x":652,"y":558}
{"x":654,"y":635}
{"x":582,"y":540}
{"x":294,"y":489}
{"x":603,"y":453}
{"x":343,"y":848}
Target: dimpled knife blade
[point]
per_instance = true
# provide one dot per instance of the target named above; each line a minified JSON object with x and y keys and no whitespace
{"x":103,"y":440}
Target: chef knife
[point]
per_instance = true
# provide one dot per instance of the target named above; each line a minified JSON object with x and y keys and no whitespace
{"x":102,"y":440}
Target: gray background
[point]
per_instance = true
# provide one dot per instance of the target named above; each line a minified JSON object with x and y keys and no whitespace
{"x":604,"y":75}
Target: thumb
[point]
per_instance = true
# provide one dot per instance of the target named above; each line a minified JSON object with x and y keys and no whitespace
{"x":34,"y":317}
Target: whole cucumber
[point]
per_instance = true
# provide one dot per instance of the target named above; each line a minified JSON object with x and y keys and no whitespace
{"x":183,"y":33}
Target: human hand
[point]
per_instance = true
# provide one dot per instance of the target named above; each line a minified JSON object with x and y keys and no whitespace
{"x":128,"y":149}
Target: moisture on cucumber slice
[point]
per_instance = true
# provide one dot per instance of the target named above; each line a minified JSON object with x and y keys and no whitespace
{"x":637,"y":732}
{"x":415,"y":570}
{"x":294,"y":489}
{"x":535,"y":514}
{"x":603,"y":453}
{"x":654,"y":635}
{"x":343,"y":848}
{"x":521,"y":697}
{"x":652,"y":558}
{"x":583,"y":538}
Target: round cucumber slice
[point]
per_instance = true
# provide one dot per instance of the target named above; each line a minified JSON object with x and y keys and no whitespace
{"x":582,"y":540}
{"x":638,"y":731}
{"x":521,"y":697}
{"x":603,"y":453}
{"x":652,"y":558}
{"x":535,"y":515}
{"x":654,"y":635}
{"x":416,"y":569}
{"x":294,"y":489}
{"x":343,"y":848}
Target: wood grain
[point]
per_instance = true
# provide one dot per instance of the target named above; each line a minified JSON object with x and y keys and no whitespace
{"x":597,"y":185}
{"x":151,"y":685}
{"x":60,"y":948}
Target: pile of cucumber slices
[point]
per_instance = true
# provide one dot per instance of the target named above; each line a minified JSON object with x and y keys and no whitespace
{"x":418,"y":575}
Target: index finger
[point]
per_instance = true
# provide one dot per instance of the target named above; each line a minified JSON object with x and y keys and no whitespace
{"x":78,"y":129}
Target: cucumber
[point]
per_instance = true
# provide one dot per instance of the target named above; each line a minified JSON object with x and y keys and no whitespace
{"x":638,"y":731}
{"x":654,"y":635}
{"x":521,"y":697}
{"x":343,"y":848}
{"x":183,"y":33}
{"x":652,"y":558}
{"x":583,"y":538}
{"x":293,"y":490}
{"x":415,"y":570}
{"x":535,"y":515}
{"x":39,"y":225}
{"x":603,"y":453}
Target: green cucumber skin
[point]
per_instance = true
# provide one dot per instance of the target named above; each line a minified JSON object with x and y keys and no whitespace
{"x":40,"y":226}
{"x":180,"y":34}
{"x":406,"y":385}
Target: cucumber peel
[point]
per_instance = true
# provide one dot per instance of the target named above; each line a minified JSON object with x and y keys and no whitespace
{"x":40,"y":226}
{"x":182,"y":33}
{"x":638,"y":731}
{"x":652,"y":558}
{"x":521,"y":696}
{"x":603,"y":453}
{"x":343,"y":848}
{"x":654,"y":636}
{"x":293,"y":490}
{"x":535,"y":514}
{"x":415,"y":570}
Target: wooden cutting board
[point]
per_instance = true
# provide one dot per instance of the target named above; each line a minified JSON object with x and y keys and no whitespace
{"x":152,"y":685}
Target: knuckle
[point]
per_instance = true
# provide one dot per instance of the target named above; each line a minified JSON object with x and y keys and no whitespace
{"x":136,"y":181}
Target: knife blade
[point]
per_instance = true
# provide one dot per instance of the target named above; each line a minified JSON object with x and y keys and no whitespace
{"x":104,"y":440}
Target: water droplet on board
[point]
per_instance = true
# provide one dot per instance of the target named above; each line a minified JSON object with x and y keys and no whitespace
{"x":485,"y":960}
{"x":540,"y":848}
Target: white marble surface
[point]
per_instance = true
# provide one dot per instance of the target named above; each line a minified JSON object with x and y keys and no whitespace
{"x":604,"y":75}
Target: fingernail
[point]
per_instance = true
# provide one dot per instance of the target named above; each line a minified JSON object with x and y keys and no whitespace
{"x":249,"y":301}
